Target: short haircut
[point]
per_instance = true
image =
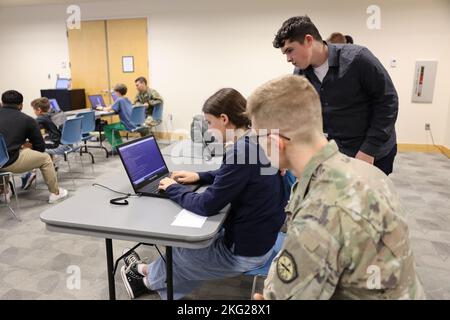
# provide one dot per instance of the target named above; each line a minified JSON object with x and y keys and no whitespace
{"x":12,"y":97}
{"x":121,"y":88}
{"x":141,"y":79}
{"x":349,"y":39}
{"x":295,"y":29}
{"x":41,"y":103}
{"x":337,"y":37}
{"x":289,"y":104}
{"x":230,"y":102}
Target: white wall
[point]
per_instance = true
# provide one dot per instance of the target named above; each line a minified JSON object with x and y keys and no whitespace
{"x":447,"y":136}
{"x":197,"y":47}
{"x":32,"y":46}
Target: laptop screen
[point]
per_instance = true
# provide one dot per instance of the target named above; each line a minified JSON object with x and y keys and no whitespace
{"x":96,"y":100}
{"x":114,"y":96}
{"x":142,"y":160}
{"x":62,"y":83}
{"x":54,"y":105}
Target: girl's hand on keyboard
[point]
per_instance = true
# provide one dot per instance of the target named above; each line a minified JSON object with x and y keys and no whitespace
{"x":185,"y":177}
{"x":165,"y":183}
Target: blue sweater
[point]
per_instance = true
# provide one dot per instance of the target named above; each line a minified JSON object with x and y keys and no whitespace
{"x":257,"y":201}
{"x":124,"y":108}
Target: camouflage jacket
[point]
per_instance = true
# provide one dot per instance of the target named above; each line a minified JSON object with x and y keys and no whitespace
{"x":151,"y":96}
{"x":347,"y":236}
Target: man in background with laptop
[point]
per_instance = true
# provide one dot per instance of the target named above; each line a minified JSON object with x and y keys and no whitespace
{"x":51,"y":120}
{"x":46,"y":120}
{"x":123,"y":107}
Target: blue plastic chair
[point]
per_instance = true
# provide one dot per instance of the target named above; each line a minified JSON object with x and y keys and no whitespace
{"x":137,"y":119}
{"x":138,"y":116}
{"x":87,"y":126}
{"x":157,"y":114}
{"x":72,"y":133}
{"x":4,"y":157}
{"x":72,"y":136}
{"x":264,"y":270}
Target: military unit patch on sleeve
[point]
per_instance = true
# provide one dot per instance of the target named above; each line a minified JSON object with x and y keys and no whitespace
{"x":286,"y":267}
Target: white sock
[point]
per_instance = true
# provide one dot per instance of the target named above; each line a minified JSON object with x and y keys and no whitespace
{"x":145,"y":283}
{"x":140,"y":268}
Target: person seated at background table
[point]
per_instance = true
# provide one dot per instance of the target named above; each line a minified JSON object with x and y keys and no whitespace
{"x":19,"y":129}
{"x":123,"y":107}
{"x":336,"y":37}
{"x":53,"y":146}
{"x":347,"y":236}
{"x":246,"y":181}
{"x":45,"y":119}
{"x":148,"y":97}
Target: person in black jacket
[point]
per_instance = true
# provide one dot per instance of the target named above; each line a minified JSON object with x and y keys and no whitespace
{"x":41,"y":107}
{"x":247,"y":182}
{"x":25,"y":145}
{"x":359,"y":100}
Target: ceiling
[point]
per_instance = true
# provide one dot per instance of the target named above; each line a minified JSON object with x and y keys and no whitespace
{"x":18,"y":3}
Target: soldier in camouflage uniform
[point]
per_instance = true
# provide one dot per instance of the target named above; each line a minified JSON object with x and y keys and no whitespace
{"x":146,"y":96}
{"x":347,"y":237}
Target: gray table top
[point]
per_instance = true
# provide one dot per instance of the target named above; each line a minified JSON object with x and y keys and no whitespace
{"x":98,"y":114}
{"x":188,"y":149}
{"x":144,"y":219}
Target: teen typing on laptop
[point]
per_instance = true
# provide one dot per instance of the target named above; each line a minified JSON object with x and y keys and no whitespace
{"x":123,"y":107}
{"x":256,"y":214}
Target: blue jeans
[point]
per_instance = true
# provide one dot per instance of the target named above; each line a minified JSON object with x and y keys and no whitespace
{"x":59,"y":150}
{"x":192,"y":266}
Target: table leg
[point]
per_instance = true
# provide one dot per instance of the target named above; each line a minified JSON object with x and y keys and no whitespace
{"x":169,"y":273}
{"x":100,"y":139}
{"x":110,"y":267}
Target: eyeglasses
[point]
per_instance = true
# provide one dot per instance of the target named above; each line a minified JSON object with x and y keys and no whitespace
{"x":257,"y":136}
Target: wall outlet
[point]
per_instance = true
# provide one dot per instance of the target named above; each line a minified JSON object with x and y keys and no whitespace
{"x":427,"y":126}
{"x":393,"y":62}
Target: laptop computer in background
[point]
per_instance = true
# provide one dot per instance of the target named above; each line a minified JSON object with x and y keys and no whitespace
{"x":54,"y":105}
{"x":62,"y":83}
{"x":114,"y":96}
{"x":96,"y":100}
{"x":145,"y":166}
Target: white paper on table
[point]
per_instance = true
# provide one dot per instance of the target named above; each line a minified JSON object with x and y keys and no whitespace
{"x":188,"y":219}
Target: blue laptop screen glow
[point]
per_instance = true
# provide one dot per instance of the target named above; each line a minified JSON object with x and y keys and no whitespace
{"x":114,"y":96}
{"x":142,"y":160}
{"x":54,"y":105}
{"x":96,"y":100}
{"x":62,"y":83}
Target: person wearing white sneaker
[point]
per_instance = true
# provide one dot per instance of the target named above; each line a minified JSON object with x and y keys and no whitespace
{"x":25,"y":144}
{"x":55,"y":197}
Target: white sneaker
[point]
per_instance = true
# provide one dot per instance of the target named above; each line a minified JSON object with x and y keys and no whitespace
{"x":58,"y":197}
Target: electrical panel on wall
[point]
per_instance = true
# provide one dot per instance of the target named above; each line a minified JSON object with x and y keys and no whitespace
{"x":424,"y":80}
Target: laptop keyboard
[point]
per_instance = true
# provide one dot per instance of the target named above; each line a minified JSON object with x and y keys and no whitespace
{"x":151,"y":188}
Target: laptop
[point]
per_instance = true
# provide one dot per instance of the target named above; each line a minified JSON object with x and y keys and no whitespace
{"x":114,"y":96}
{"x":54,"y":105}
{"x":145,"y":166}
{"x":96,"y":100}
{"x":62,"y":83}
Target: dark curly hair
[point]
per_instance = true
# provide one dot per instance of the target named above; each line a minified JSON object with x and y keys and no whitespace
{"x":295,"y":29}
